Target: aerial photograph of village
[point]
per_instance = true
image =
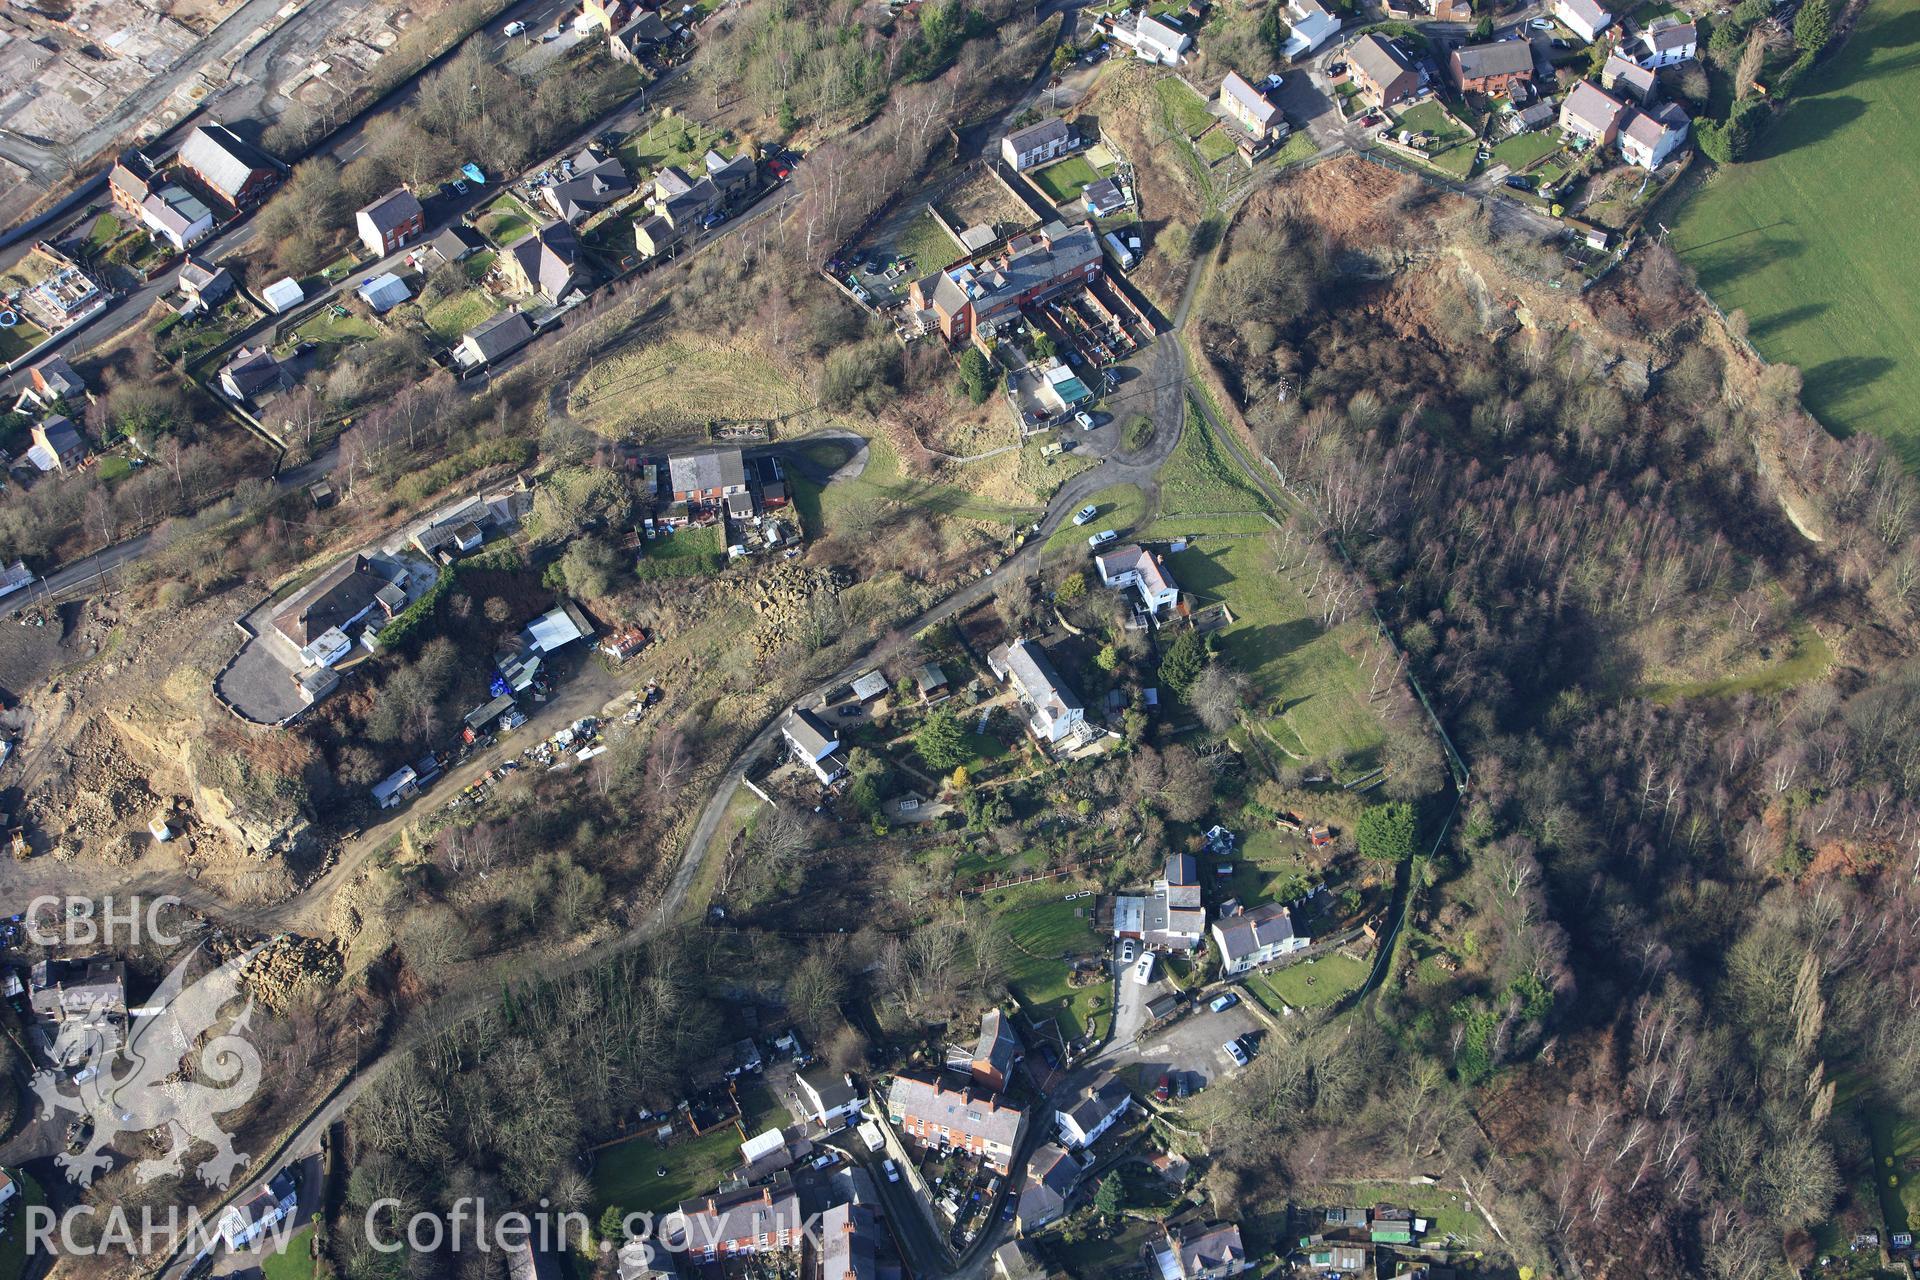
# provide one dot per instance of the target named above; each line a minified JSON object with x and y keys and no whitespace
{"x":959,"y":640}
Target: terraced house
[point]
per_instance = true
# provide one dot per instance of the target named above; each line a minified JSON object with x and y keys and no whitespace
{"x":980,"y":297}
{"x":750,"y":1220}
{"x":945,"y":1119}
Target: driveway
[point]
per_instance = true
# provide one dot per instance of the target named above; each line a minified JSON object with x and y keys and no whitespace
{"x":1190,"y":1047}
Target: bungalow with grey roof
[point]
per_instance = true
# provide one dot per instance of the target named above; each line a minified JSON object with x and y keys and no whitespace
{"x":493,"y":339}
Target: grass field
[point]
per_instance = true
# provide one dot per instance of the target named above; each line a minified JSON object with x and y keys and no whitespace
{"x":1182,"y":107}
{"x":451,"y":317}
{"x":1064,"y":180}
{"x":685,"y":554}
{"x":296,"y":1263}
{"x":1044,"y":928}
{"x":1310,"y":983}
{"x":1216,"y":145}
{"x":1122,"y":508}
{"x":627,"y":1175}
{"x":1268,"y":867}
{"x":1298,"y":146}
{"x":844,"y":501}
{"x":661,"y":387}
{"x":1199,"y":477}
{"x":1896,"y":1140}
{"x":1431,"y":117}
{"x":328,"y":330}
{"x":1804,"y":236}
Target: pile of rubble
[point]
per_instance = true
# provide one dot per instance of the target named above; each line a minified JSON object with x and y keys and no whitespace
{"x":784,"y":595}
{"x":288,"y":965}
{"x":93,"y":793}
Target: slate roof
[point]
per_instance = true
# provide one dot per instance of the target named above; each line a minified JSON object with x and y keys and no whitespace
{"x":1034,"y":136}
{"x":748,"y":1213}
{"x":1029,"y":262}
{"x":1378,"y":59}
{"x":847,"y":1236}
{"x":344,"y":593}
{"x":1249,"y":98}
{"x":499,"y":336}
{"x":963,"y":1111}
{"x":998,"y":1045}
{"x":712,"y":469}
{"x":457,"y":242}
{"x":200,"y":276}
{"x":1246,"y":933}
{"x":1501,"y":58}
{"x":590,"y":189}
{"x":176,"y":208}
{"x":1028,"y":667}
{"x":1675,"y":36}
{"x":1624,"y":70}
{"x":221,"y":159}
{"x":810,"y":733}
{"x":1591,"y":106}
{"x":1104,"y":196}
{"x":1104,"y":1097}
{"x":548,"y":258}
{"x":1051,"y":1174}
{"x":1588,"y":12}
{"x":1649,"y":128}
{"x":1209,"y":1248}
{"x":253,"y":369}
{"x":393,"y":209}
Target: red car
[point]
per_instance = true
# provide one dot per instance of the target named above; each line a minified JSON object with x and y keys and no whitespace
{"x":1164,"y":1089}
{"x":779,"y":170}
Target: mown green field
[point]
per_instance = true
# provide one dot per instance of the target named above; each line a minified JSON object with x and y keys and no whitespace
{"x":1807,"y":236}
{"x":1043,"y":928}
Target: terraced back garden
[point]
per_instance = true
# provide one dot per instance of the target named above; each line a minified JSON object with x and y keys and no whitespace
{"x":641,"y":1176}
{"x":1044,"y":932}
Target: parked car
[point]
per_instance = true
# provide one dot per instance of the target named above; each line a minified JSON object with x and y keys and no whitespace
{"x":1127,"y":951}
{"x":1164,"y":1089}
{"x":825,"y":1160}
{"x":1086,"y":514}
{"x":1085,"y":420}
{"x":513,"y":29}
{"x":1233,"y":1050}
{"x":1520,"y":182}
{"x":1102,"y":538}
{"x":847,"y":713}
{"x":1182,"y":1086}
{"x":1222,"y":1002}
{"x":893,"y":1171}
{"x":714,"y":219}
{"x":1143,"y":971}
{"x":1541,"y":24}
{"x":1048,"y":1055}
{"x":1272,"y":82}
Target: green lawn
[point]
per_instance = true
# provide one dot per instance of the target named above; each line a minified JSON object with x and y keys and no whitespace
{"x":113,"y":467}
{"x":1896,"y":1140}
{"x":627,"y":1175}
{"x":1043,"y":929}
{"x":841,"y":503}
{"x":1216,"y":146}
{"x":1121,"y":509}
{"x":451,"y":317}
{"x":927,"y":243}
{"x":479,"y":264}
{"x":1431,"y":117}
{"x":1298,"y":146}
{"x":296,"y":1263}
{"x":13,"y":1246}
{"x":1308,"y":984}
{"x":505,"y":220}
{"x":1183,"y":108}
{"x":329,"y":330}
{"x":1803,"y":236}
{"x":684,"y":554}
{"x":21,"y":338}
{"x":105,"y":230}
{"x":1064,"y":180}
{"x":677,"y":141}
{"x":1269,"y":866}
{"x":1447,"y":1212}
{"x":1524,"y":149}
